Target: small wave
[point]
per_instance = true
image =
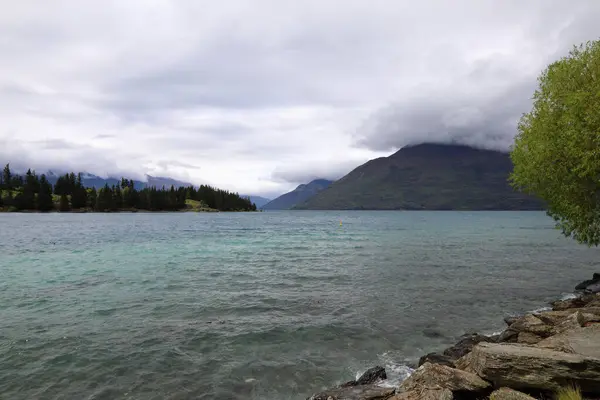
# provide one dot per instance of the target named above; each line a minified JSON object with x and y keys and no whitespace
{"x":568,"y":296}
{"x":396,"y":371}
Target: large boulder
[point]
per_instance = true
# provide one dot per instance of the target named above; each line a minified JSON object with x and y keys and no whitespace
{"x":425,"y":394}
{"x":584,"y":341}
{"x":465,"y":345}
{"x":591,"y":285}
{"x":528,"y":338}
{"x":509,"y":394}
{"x":437,"y":358}
{"x":361,"y":392}
{"x":440,"y":376}
{"x":554,"y":317}
{"x":531,"y":324}
{"x":532,"y":368}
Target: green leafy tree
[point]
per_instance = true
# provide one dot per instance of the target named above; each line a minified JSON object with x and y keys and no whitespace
{"x":64,"y":205}
{"x":7,"y":199}
{"x":44,"y":199}
{"x":92,"y":197}
{"x":556,"y":154}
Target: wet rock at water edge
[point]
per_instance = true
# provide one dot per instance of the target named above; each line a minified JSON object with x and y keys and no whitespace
{"x":465,"y":345}
{"x":591,"y":285}
{"x":576,"y":302}
{"x":371,"y":375}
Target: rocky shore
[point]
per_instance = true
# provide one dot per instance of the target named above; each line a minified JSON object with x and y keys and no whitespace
{"x":537,"y":354}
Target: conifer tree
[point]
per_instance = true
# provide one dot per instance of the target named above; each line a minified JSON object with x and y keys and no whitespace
{"x":44,"y":199}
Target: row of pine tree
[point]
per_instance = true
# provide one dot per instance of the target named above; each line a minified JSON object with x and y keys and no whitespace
{"x":33,"y":192}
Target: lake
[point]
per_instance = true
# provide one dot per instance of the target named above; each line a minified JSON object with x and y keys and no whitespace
{"x":273,"y":305}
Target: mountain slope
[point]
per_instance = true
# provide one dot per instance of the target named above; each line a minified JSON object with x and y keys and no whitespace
{"x":298,"y":195}
{"x":427,"y":177}
{"x":258,"y":200}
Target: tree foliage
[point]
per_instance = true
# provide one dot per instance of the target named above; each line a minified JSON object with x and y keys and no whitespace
{"x":556,"y":154}
{"x":33,"y":193}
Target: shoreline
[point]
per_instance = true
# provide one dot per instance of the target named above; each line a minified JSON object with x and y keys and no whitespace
{"x":537,"y":353}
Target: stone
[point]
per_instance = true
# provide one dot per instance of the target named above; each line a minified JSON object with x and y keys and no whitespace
{"x":573,"y":321}
{"x":509,"y":394}
{"x":360,"y":392}
{"x":435,"y":375}
{"x":437,"y":358}
{"x":528,"y":338}
{"x":585,"y":285}
{"x":508,"y":336}
{"x":425,"y":394}
{"x":511,"y":319}
{"x":532,"y":368}
{"x":588,"y":319}
{"x":532,"y":324}
{"x":372,"y":375}
{"x":554,"y":317}
{"x":465,"y":345}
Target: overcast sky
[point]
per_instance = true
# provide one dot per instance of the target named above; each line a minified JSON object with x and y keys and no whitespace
{"x":259,"y":96}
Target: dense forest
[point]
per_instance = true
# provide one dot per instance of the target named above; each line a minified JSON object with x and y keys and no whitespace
{"x":31,"y":192}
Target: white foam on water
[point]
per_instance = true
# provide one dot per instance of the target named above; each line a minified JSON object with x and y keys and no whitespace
{"x":396,"y":371}
{"x":568,"y":296}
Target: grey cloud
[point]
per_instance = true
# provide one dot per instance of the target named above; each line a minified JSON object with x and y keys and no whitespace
{"x":223,"y":88}
{"x":297,"y":174}
{"x":482,"y":121}
{"x":104,"y":136}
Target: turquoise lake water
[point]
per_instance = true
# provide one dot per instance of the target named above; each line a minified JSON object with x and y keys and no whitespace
{"x":273,"y":305}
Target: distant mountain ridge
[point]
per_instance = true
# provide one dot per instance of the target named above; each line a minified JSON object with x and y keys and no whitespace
{"x":91,"y":180}
{"x":427,"y":177}
{"x":297,"y":196}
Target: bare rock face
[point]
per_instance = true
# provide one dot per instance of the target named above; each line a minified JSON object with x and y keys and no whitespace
{"x":528,"y":338}
{"x":532,"y":368}
{"x":584,"y":341}
{"x":554,"y":317}
{"x":440,"y":376}
{"x":509,"y":394}
{"x":361,"y":392}
{"x":425,"y":394}
{"x":531,"y":324}
{"x":437,"y":358}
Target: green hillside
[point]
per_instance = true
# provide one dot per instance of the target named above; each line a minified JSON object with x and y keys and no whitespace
{"x":427,"y":177}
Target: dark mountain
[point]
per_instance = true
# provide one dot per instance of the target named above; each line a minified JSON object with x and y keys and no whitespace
{"x":258,"y":200}
{"x":298,"y":195}
{"x":427,"y":177}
